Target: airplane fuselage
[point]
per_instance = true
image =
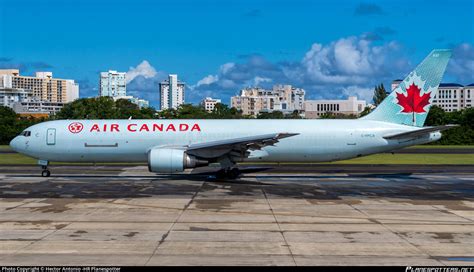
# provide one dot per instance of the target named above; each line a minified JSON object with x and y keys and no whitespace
{"x":130,"y":140}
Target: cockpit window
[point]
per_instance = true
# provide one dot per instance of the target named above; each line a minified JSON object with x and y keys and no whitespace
{"x":26,"y":133}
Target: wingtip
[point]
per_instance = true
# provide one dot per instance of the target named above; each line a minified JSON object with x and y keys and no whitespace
{"x":286,"y":135}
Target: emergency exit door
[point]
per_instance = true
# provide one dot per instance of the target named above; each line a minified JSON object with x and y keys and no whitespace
{"x":51,"y":136}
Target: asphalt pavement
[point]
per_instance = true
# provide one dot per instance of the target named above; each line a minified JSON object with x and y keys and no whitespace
{"x":124,"y":215}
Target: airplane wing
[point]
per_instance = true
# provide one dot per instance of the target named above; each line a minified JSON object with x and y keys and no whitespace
{"x":237,"y":147}
{"x":418,"y":132}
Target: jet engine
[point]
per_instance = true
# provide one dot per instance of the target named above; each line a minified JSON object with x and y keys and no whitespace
{"x":170,"y":160}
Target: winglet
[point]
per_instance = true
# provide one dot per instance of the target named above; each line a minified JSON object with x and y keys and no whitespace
{"x":285,"y":135}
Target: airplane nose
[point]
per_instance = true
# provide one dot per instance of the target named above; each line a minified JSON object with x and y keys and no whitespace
{"x":15,"y":144}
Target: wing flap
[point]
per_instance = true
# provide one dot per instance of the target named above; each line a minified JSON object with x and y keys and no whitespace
{"x":235,"y":147}
{"x":418,"y":132}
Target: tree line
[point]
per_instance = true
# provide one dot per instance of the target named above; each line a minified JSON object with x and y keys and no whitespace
{"x":11,"y":124}
{"x":461,"y":135}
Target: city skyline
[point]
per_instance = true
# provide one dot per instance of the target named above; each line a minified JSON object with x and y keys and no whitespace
{"x":332,"y":50}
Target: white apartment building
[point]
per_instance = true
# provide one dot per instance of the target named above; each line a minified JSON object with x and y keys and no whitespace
{"x":112,"y":83}
{"x":10,"y":96}
{"x":289,"y":98}
{"x":43,"y":86}
{"x":171,"y":92}
{"x":72,"y":92}
{"x":209,"y":103}
{"x":451,"y":96}
{"x":284,"y":98}
{"x":38,"y":107}
{"x":141,"y":103}
{"x":315,"y":108}
{"x":454,"y":97}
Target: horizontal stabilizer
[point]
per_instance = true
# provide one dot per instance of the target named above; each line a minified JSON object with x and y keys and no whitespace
{"x":418,"y":132}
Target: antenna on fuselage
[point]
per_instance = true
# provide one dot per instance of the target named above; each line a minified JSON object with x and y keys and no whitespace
{"x":130,"y":118}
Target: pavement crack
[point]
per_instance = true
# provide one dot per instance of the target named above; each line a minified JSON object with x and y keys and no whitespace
{"x":163,"y":238}
{"x":279,"y":227}
{"x":375,"y":221}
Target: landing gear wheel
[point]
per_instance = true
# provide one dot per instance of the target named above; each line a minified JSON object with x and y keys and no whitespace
{"x":45,"y":173}
{"x":221,"y":174}
{"x":228,"y":173}
{"x":233,"y":173}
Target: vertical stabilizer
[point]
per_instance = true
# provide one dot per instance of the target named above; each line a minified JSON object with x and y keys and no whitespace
{"x":410,"y":102}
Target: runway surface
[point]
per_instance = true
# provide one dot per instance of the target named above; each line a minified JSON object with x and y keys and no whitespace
{"x":121,"y":215}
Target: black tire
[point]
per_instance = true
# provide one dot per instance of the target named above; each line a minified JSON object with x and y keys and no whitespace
{"x":233,"y":173}
{"x":221,"y":174}
{"x":45,"y":173}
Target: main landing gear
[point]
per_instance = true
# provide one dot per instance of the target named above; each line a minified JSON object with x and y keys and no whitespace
{"x":230,"y":173}
{"x":44,"y":166}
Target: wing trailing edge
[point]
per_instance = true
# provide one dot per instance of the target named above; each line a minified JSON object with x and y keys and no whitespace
{"x":235,"y":146}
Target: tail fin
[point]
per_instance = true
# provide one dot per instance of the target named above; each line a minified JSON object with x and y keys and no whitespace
{"x":410,"y":102}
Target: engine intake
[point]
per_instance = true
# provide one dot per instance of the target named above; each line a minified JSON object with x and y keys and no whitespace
{"x":170,"y":160}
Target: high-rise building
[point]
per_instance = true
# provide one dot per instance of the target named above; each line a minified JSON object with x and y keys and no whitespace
{"x":171,"y":92}
{"x":72,"y":91}
{"x":315,"y":108}
{"x":43,"y":86}
{"x":284,"y":98}
{"x":209,"y":103}
{"x":451,"y":96}
{"x":113,"y":84}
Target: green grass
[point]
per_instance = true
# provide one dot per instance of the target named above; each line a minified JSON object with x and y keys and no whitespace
{"x":5,"y":148}
{"x":442,"y":146}
{"x":15,"y":158}
{"x":6,"y":159}
{"x":412,"y":159}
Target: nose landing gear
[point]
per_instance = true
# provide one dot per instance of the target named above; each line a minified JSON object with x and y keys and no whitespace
{"x":45,"y":173}
{"x":44,"y":166}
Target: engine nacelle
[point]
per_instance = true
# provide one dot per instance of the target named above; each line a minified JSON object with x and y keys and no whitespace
{"x":169,"y":160}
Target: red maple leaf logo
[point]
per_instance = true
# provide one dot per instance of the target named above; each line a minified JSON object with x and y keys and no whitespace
{"x":413,"y":101}
{"x":75,"y":127}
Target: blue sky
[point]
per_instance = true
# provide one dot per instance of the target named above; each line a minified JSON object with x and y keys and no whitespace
{"x":331,"y":48}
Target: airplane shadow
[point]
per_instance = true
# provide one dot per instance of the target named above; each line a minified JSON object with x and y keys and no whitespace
{"x":312,"y":187}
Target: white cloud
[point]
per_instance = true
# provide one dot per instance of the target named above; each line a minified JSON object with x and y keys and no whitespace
{"x":257,"y":80}
{"x":461,"y":65}
{"x":143,"y":69}
{"x":143,"y":80}
{"x":351,"y":60}
{"x":227,"y":84}
{"x":226,"y":67}
{"x":347,"y":66}
{"x":361,"y":92}
{"x":207,"y":80}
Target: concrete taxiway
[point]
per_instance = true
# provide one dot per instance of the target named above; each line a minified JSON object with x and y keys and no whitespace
{"x":126,"y":216}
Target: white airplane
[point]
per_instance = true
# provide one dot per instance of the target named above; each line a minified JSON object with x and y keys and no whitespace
{"x":171,"y":146}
